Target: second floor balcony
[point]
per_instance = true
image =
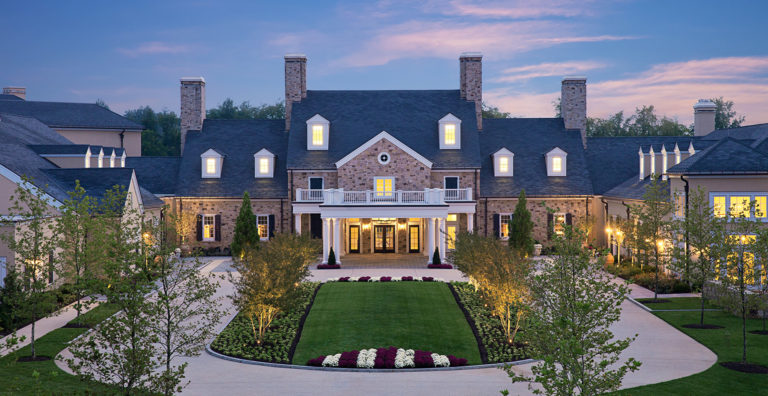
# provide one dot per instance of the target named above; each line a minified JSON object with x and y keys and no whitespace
{"x":339,"y":196}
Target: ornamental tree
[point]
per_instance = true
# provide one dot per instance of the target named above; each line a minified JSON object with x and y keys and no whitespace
{"x":653,"y":227}
{"x":569,"y":327}
{"x":521,"y":228}
{"x":246,"y":230}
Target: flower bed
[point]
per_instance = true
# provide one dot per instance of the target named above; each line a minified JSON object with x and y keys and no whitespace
{"x":281,"y":337}
{"x":440,"y":266}
{"x":384,"y":279}
{"x":494,"y":347}
{"x":646,"y":277}
{"x":328,"y":266}
{"x":387,"y":358}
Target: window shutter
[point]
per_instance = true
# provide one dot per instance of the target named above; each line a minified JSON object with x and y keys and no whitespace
{"x":550,"y":229}
{"x":271,"y":226}
{"x":217,"y":227}
{"x":568,"y":219}
{"x":496,"y":226}
{"x":199,"y":228}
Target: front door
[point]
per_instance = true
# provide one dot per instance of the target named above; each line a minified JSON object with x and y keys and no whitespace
{"x":315,"y":226}
{"x":354,"y":239}
{"x":384,"y":239}
{"x":413,"y":239}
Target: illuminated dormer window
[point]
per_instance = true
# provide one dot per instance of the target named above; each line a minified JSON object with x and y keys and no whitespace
{"x":556,"y":162}
{"x":503,"y":163}
{"x":317,"y":133}
{"x":264,"y":163}
{"x":211,"y":164}
{"x":450,"y":132}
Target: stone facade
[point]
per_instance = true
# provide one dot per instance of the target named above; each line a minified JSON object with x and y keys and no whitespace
{"x":576,"y":207}
{"x":573,"y":105}
{"x":300,"y":179}
{"x":192,"y":106}
{"x":471,"y":82}
{"x":409,"y":173}
{"x":466,"y":179}
{"x":295,"y":83}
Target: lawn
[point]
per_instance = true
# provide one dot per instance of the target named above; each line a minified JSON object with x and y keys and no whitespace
{"x":415,"y":315}
{"x":45,"y":377}
{"x":726,"y":343}
{"x":678,"y":303}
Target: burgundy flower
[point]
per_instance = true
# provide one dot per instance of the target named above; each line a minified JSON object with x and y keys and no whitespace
{"x":407,"y":278}
{"x":348,"y":359}
{"x":344,"y":279}
{"x":385,"y":279}
{"x":427,"y":278}
{"x":318,"y":361}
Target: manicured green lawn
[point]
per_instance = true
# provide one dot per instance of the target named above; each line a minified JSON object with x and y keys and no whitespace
{"x":678,"y":303}
{"x":726,"y":343}
{"x":416,"y":315}
{"x":19,"y":377}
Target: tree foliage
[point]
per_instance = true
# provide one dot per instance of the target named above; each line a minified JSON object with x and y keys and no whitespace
{"x":490,"y":111}
{"x":246,"y":230}
{"x":162,"y":131}
{"x":654,"y":228}
{"x":644,"y":122}
{"x":521,"y":228}
{"x":228,"y":110}
{"x":569,"y":327}
{"x":725,"y":115}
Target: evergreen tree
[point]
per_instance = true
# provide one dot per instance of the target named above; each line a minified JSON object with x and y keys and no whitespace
{"x":331,"y":257}
{"x":246,"y":229}
{"x":521,"y":227}
{"x":436,"y":257}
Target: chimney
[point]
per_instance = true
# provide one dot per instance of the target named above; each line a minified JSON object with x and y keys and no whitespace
{"x":573,"y":105}
{"x":295,"y":83}
{"x":192,"y":106}
{"x":21,"y":92}
{"x":471,"y":82}
{"x":703,"y":117}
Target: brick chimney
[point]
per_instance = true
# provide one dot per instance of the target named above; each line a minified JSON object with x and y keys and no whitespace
{"x":295,"y":83}
{"x":703,"y":117}
{"x":192,"y":106}
{"x":21,"y":92}
{"x":471,"y":81}
{"x":573,"y":105}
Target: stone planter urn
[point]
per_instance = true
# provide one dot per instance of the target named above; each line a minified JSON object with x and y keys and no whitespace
{"x":537,"y":249}
{"x":609,"y":259}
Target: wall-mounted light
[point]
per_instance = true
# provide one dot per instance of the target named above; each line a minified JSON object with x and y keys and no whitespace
{"x":401,"y":226}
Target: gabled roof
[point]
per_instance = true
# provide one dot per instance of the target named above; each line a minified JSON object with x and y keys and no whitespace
{"x":383,"y":135}
{"x":95,"y":181}
{"x":59,"y":149}
{"x":747,"y":132}
{"x":531,"y":139}
{"x":156,"y":174}
{"x":69,"y":115}
{"x":726,"y":156}
{"x":632,"y":188}
{"x":9,"y":97}
{"x":357,"y":116}
{"x":27,"y":130}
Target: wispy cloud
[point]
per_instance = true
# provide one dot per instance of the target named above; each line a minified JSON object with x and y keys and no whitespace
{"x":518,"y":9}
{"x":154,"y":48}
{"x":548,"y":69}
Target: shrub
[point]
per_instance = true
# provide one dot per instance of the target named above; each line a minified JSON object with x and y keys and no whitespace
{"x":331,"y":258}
{"x":246,"y":229}
{"x":436,"y":257}
{"x":521,"y":228}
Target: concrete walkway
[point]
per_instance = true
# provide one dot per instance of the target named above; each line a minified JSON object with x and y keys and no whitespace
{"x":665,"y":352}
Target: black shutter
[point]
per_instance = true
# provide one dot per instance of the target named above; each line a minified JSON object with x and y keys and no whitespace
{"x":271,"y":226}
{"x":199,"y":227}
{"x":217,"y":227}
{"x":50,"y":267}
{"x":550,"y":229}
{"x":568,"y":219}
{"x":496,"y":225}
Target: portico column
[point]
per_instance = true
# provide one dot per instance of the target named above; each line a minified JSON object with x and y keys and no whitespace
{"x":337,"y":239}
{"x":441,"y":237}
{"x":430,"y":235}
{"x":297,"y":223}
{"x":326,"y":239}
{"x":470,"y":222}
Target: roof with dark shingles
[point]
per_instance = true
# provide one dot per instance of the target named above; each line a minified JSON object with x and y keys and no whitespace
{"x":95,"y":181}
{"x":43,"y":149}
{"x":9,"y":97}
{"x":239,"y":140}
{"x":530,"y":139}
{"x":747,"y":132}
{"x":726,"y":156}
{"x":69,"y":115}
{"x":357,"y":116}
{"x":632,"y":188}
{"x":156,"y":174}
{"x":28,"y":130}
{"x":150,"y":200}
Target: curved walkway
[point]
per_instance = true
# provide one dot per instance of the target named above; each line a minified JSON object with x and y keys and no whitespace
{"x":666,"y":354}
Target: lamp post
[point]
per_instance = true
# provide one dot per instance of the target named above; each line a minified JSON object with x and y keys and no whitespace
{"x":619,"y":240}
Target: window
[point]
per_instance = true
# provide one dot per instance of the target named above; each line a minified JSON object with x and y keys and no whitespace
{"x":760,"y":206}
{"x":315,"y":183}
{"x":557,"y":164}
{"x":384,"y":186}
{"x":504,"y":220}
{"x":451,"y":182}
{"x":740,"y":206}
{"x":719,"y":205}
{"x":3,"y":270}
{"x":450,"y":132}
{"x":317,"y":135}
{"x":679,"y":205}
{"x":503,"y":163}
{"x":265,"y":164}
{"x":210,"y":166}
{"x":450,"y":238}
{"x":263,"y":222}
{"x":452,"y":217}
{"x":559,"y":221}
{"x":209,"y":227}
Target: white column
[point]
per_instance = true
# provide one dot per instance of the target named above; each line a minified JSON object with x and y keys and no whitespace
{"x":326,"y":239}
{"x":430,"y":236}
{"x":297,"y":222}
{"x":337,"y":239}
{"x":441,"y":237}
{"x":470,"y":222}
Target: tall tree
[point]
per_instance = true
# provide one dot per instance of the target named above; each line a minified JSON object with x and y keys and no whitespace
{"x":644,"y":122}
{"x":653,"y":224}
{"x":230,"y":111}
{"x":725,"y":115}
{"x":246,"y":230}
{"x":574,"y":307}
{"x":521,"y":227}
{"x":162,"y":131}
{"x":490,"y":111}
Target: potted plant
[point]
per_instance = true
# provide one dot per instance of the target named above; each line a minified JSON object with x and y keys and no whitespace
{"x":537,"y":248}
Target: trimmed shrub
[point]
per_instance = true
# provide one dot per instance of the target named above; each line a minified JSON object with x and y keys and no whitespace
{"x":436,"y":257}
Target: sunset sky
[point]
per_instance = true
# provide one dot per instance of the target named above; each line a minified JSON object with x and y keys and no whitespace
{"x":665,"y":53}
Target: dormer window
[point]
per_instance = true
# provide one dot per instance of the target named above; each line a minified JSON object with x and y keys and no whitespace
{"x":556,"y":162}
{"x":503,"y":163}
{"x":450,"y":132}
{"x":101,"y":159}
{"x":122,"y":160}
{"x":317,"y":133}
{"x":88,"y":158}
{"x":264,"y":163}
{"x":211,"y":164}
{"x":112,"y":159}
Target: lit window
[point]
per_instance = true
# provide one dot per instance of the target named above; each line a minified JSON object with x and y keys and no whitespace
{"x":760,"y":207}
{"x":679,"y":205}
{"x":557,"y":164}
{"x":719,"y":206}
{"x":559,"y":223}
{"x":384,"y":186}
{"x":263,"y":223}
{"x":504,"y":219}
{"x":210,"y":166}
{"x":209,"y":228}
{"x":450,"y":240}
{"x":317,"y":135}
{"x":450,"y":134}
{"x":451,"y":217}
{"x":503,"y":164}
{"x":740,"y":206}
{"x":264,"y":165}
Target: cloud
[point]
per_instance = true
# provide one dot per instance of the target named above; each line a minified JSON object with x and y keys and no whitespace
{"x":518,"y":9}
{"x":154,"y":48}
{"x":522,"y":73}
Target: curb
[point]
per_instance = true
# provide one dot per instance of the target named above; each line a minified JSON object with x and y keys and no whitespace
{"x":632,"y":300}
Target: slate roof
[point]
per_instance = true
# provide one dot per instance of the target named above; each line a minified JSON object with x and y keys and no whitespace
{"x":9,"y":97}
{"x":95,"y":181}
{"x":408,"y":115}
{"x":27,"y":130}
{"x":238,"y":141}
{"x":747,"y":132}
{"x":156,"y":174}
{"x":632,"y":188}
{"x":69,"y":115}
{"x":66,"y":149}
{"x":530,"y":139}
{"x":726,"y":156}
{"x":150,"y":200}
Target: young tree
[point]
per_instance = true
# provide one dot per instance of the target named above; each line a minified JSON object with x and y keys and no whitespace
{"x":33,"y":242}
{"x":246,"y":230}
{"x":569,"y":327}
{"x":521,"y":228}
{"x":760,"y":250}
{"x":268,"y":280}
{"x":653,"y":223}
{"x":184,"y":224}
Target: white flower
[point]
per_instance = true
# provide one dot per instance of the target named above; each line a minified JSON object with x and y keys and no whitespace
{"x":440,"y":360}
{"x":353,"y":279}
{"x":375,"y":279}
{"x":332,"y":360}
{"x":404,"y":358}
{"x":366,"y":358}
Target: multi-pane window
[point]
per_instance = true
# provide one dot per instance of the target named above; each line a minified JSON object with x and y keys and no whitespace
{"x":504,"y":220}
{"x":384,"y":186}
{"x":264,"y":165}
{"x":209,"y":227}
{"x":760,"y":206}
{"x":718,"y":205}
{"x":263,"y":222}
{"x":740,"y":206}
{"x":315,"y":183}
{"x":503,"y":164}
{"x":747,"y":205}
{"x":210,"y":166}
{"x":451,"y":182}
{"x":317,"y":135}
{"x":450,"y":134}
{"x":559,"y":220}
{"x":557,"y":164}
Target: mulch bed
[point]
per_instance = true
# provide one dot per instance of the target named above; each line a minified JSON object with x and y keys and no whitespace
{"x":328,"y":266}
{"x":746,"y":367}
{"x":704,"y":326}
{"x":759,"y":332}
{"x":38,"y":358}
{"x":472,"y":325}
{"x":656,"y":301}
{"x":76,"y":326}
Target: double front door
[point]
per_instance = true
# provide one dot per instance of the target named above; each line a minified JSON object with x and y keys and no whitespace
{"x":384,"y":238}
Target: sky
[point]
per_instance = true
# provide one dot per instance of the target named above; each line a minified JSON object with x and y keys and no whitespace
{"x":633,"y":53}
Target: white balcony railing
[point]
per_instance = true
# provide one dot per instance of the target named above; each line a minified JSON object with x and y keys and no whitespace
{"x":428,"y":196}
